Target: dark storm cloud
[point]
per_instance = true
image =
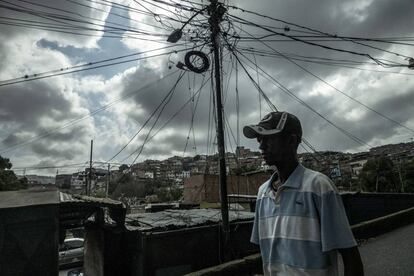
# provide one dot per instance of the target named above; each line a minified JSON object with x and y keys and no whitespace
{"x":24,"y":107}
{"x":386,"y":18}
{"x":26,"y":104}
{"x":45,"y":149}
{"x":395,"y":107}
{"x":153,"y":95}
{"x":150,"y":98}
{"x":379,"y":19}
{"x":352,"y":18}
{"x":77,"y":12}
{"x":367,"y":127}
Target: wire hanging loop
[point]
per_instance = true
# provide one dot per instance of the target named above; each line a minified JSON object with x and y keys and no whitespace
{"x":192,"y":56}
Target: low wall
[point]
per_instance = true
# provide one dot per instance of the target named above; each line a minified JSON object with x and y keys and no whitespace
{"x":378,"y":226}
{"x":250,"y":265}
{"x":174,"y":252}
{"x":362,"y":207}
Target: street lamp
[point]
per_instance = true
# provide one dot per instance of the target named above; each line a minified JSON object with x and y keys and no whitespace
{"x":178,"y":33}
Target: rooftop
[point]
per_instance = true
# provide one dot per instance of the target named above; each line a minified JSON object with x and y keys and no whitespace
{"x":22,"y":198}
{"x":178,"y":219}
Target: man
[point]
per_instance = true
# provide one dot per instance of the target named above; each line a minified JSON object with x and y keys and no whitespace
{"x":300,"y":221}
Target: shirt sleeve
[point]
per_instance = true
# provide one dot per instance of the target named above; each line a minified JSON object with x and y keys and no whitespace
{"x":255,"y":231}
{"x":335,"y":229}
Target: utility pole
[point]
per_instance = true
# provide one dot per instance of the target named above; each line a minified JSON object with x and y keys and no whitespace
{"x":108,"y":179}
{"x":216,"y":12}
{"x":90,"y":171}
{"x":376,"y":181}
{"x":399,"y":175}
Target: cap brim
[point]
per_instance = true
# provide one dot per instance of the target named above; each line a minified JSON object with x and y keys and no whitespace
{"x":254,"y":131}
{"x":250,"y":132}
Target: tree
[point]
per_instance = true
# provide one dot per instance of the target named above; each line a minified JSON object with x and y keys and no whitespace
{"x":408,"y":176}
{"x":244,"y":169}
{"x":129,"y":186}
{"x":5,"y":163}
{"x":123,"y":167}
{"x":379,"y":175}
{"x":8,"y":180}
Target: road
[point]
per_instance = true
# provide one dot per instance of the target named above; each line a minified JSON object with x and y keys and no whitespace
{"x":390,"y":254}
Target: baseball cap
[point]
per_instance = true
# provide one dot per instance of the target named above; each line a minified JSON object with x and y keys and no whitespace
{"x":274,"y":123}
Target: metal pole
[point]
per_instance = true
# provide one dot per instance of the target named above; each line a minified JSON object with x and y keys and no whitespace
{"x":217,"y":11}
{"x":90,"y":170}
{"x":108,"y":180}
{"x":399,"y":174}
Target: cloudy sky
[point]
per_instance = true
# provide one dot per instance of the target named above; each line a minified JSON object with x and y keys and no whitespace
{"x":73,"y":71}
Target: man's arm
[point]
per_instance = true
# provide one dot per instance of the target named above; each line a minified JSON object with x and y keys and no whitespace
{"x":352,"y":261}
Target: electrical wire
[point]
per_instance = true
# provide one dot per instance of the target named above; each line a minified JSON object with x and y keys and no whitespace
{"x":319,"y":60}
{"x":338,"y":90}
{"x":88,"y":17}
{"x":53,"y":74}
{"x":108,"y":26}
{"x":325,"y":46}
{"x":170,"y":119}
{"x":349,"y":39}
{"x":75,"y":121}
{"x":193,"y":112}
{"x":288,"y":92}
{"x":156,"y":120}
{"x":165,"y":99}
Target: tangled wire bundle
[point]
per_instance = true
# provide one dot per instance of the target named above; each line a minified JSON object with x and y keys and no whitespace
{"x":197,"y":69}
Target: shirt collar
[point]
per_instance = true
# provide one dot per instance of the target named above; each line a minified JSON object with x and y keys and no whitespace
{"x":294,"y":180}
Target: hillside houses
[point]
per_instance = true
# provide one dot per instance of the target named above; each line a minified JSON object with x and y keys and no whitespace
{"x":342,"y":168}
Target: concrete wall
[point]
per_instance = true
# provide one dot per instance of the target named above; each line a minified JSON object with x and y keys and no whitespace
{"x":29,"y":240}
{"x":200,"y":188}
{"x":366,"y":206}
{"x":94,"y":250}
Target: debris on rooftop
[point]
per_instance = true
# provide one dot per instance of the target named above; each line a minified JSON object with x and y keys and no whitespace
{"x":177,"y":219}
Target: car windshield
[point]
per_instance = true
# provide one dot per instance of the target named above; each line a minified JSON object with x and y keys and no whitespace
{"x":71,"y":244}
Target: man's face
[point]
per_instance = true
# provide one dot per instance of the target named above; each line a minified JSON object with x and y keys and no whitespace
{"x":275,"y":149}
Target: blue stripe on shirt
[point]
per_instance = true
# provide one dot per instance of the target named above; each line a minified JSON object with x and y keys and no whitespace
{"x":302,"y":254}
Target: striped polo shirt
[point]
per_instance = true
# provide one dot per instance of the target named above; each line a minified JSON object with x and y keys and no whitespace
{"x":300,"y":226}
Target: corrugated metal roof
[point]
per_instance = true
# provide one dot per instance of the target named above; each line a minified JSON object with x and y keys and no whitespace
{"x":68,"y":198}
{"x":176,"y":219}
{"x":75,"y":209}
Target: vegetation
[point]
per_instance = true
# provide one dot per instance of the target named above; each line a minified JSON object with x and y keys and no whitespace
{"x":407,"y":176}
{"x":244,"y":169}
{"x":130,"y":186}
{"x":380,"y":175}
{"x":8,"y":180}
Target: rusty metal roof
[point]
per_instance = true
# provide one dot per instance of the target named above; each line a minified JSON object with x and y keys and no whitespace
{"x":73,"y":199}
{"x":75,"y":209}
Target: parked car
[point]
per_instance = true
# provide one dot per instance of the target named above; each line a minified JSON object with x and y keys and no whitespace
{"x":71,"y":252}
{"x":76,"y":272}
